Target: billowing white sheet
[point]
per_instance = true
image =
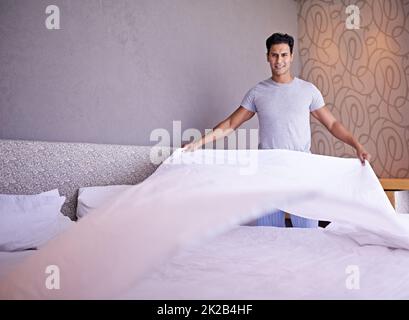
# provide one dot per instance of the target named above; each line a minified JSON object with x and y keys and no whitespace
{"x":187,"y":200}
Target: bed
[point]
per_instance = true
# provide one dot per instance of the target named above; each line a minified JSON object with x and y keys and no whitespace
{"x":245,"y":262}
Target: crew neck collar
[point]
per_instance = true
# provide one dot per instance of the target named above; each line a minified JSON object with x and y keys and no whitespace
{"x":279,"y":84}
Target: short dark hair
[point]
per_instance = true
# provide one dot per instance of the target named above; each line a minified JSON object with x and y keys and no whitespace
{"x":277,"y":38}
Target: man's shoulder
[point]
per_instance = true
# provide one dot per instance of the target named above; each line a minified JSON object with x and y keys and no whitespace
{"x":259,"y":85}
{"x":307,"y":85}
{"x":262,"y":84}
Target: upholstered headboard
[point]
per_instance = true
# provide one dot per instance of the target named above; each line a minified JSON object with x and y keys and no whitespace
{"x":29,"y":167}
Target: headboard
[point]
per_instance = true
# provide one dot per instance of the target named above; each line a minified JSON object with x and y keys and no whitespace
{"x":29,"y":167}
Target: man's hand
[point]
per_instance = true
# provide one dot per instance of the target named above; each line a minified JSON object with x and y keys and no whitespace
{"x":191,"y":146}
{"x":363,"y":154}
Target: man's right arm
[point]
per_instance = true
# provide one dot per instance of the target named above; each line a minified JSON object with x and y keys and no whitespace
{"x":224,"y":128}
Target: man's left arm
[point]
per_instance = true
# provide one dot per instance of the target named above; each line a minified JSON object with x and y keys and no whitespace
{"x":336,"y":128}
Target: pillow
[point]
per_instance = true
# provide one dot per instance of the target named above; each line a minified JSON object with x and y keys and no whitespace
{"x":29,"y":221}
{"x":90,"y":198}
{"x":63,"y":222}
{"x":59,"y":225}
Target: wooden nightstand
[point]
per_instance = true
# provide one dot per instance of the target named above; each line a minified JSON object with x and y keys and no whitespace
{"x":392,"y":185}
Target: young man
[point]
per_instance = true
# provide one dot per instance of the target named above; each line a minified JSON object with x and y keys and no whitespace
{"x":283,"y":104}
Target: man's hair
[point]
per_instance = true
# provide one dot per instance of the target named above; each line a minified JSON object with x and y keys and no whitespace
{"x":277,"y":38}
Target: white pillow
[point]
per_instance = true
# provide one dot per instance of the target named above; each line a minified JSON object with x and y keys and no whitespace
{"x":62,"y":222}
{"x":90,"y":198}
{"x":29,"y":221}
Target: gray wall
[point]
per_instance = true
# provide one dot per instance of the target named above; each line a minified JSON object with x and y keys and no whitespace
{"x":119,"y":69}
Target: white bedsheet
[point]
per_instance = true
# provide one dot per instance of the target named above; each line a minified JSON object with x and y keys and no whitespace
{"x":278,"y":263}
{"x":269,"y":263}
{"x":8,"y":260}
{"x":185,"y":202}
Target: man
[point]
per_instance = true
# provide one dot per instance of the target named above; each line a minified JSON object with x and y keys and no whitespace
{"x":283,"y":104}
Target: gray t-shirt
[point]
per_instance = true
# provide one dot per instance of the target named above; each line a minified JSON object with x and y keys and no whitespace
{"x":283,"y":111}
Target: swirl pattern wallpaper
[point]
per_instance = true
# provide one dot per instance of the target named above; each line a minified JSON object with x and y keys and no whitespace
{"x":363,"y":74}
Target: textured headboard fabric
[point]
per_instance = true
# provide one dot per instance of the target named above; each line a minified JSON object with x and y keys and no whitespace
{"x":30,"y":167}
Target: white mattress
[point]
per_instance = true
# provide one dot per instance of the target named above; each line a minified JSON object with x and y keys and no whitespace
{"x":270,"y":263}
{"x":278,"y":263}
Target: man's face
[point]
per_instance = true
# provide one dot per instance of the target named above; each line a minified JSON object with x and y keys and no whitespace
{"x":280,"y":59}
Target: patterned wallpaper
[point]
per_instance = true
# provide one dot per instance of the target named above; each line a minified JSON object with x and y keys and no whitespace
{"x":363,"y":75}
